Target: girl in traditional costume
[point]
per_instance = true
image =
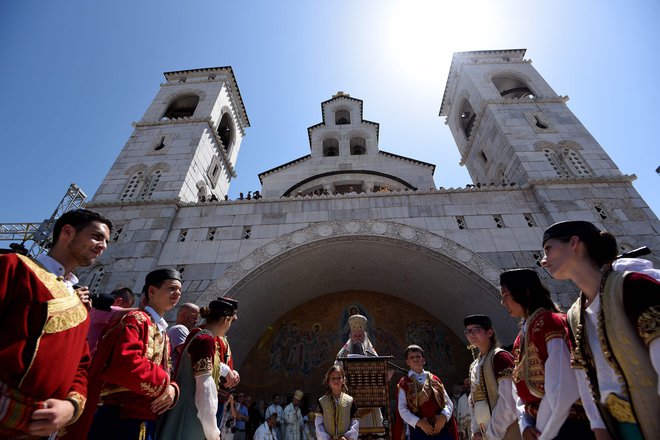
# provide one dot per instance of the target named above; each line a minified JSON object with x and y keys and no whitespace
{"x":337,"y":419}
{"x":547,"y":392}
{"x":199,"y":372}
{"x":492,"y":405}
{"x":615,"y":326}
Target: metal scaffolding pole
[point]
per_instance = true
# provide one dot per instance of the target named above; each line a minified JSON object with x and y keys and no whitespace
{"x":36,"y":237}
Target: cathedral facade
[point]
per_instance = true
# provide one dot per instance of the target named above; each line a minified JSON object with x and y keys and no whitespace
{"x":351,"y":228}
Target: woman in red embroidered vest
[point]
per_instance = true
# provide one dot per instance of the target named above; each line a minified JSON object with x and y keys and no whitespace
{"x":615,"y":327}
{"x":198,"y":376}
{"x":547,"y":392}
{"x":337,"y":419}
{"x":492,"y":405}
{"x":422,"y":403}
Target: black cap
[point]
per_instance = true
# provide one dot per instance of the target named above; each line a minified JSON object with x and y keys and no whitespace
{"x":568,"y":229}
{"x":157,"y":276}
{"x":226,"y":306}
{"x":232,"y":301}
{"x":513,"y":276}
{"x":480,"y":320}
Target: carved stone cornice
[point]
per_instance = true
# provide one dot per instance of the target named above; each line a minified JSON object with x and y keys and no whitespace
{"x":435,"y":246}
{"x":623,"y":178}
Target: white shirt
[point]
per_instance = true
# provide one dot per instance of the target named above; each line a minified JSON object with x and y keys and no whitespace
{"x":158,"y":320}
{"x":402,"y":404}
{"x":53,"y":266}
{"x":608,"y":380}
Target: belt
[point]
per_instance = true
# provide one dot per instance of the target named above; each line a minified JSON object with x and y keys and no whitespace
{"x":576,"y":412}
{"x":16,"y":410}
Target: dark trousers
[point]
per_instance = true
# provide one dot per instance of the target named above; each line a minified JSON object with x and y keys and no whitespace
{"x":573,"y":429}
{"x":418,"y":434}
{"x":108,"y":426}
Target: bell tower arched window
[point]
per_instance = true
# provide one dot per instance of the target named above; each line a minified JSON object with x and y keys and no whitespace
{"x":226,"y":131}
{"x":574,"y":161}
{"x":150,"y":185}
{"x":133,"y":186}
{"x":510,"y":87}
{"x":358,"y":146}
{"x":555,"y":162}
{"x":342,"y":117}
{"x":182,"y":107}
{"x":467,"y":117}
{"x":330,"y":147}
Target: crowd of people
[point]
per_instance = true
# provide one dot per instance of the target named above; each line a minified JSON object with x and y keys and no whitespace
{"x":71,"y":371}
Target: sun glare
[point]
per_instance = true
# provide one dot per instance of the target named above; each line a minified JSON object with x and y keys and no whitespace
{"x":424,"y":34}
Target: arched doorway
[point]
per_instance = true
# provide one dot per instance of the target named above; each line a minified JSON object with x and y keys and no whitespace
{"x":432,"y":272}
{"x":296,"y":350}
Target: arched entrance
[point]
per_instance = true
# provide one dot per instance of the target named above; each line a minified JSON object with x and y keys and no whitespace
{"x":297,"y":349}
{"x":427,"y":270}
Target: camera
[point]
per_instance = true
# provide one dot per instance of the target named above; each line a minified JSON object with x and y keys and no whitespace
{"x":100,"y":301}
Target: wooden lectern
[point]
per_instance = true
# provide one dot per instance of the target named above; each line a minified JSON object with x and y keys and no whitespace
{"x":367,"y":382}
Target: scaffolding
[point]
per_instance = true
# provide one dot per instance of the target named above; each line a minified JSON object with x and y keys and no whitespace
{"x":35,"y":238}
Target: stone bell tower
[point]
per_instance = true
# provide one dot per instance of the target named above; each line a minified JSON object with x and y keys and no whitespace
{"x":511,"y":126}
{"x":185,"y":146}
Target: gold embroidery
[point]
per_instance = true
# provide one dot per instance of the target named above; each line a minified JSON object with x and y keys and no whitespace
{"x":64,"y":313}
{"x":530,"y":368}
{"x":139,"y":316}
{"x":78,"y":401}
{"x":202,"y":366}
{"x":620,"y":409}
{"x":151,"y":390}
{"x":52,"y":282}
{"x":648,"y":325}
{"x":110,"y":388}
{"x":478,"y":387}
{"x":505,"y":374}
{"x":155,"y":341}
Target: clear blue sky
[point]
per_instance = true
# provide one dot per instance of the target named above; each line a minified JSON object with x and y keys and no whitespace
{"x":75,"y":74}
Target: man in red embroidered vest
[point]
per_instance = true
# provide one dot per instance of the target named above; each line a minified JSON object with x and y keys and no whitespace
{"x":422,"y":403}
{"x":131,"y":369}
{"x":43,"y":326}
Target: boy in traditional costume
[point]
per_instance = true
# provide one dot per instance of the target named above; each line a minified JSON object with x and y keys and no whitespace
{"x":337,"y":419}
{"x":131,"y":369}
{"x":615,"y":326}
{"x":492,"y":405}
{"x":43,"y":324}
{"x":422,"y":403}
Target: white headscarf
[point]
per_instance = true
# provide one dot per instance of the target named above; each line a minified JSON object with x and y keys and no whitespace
{"x":637,"y":265}
{"x":270,"y":411}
